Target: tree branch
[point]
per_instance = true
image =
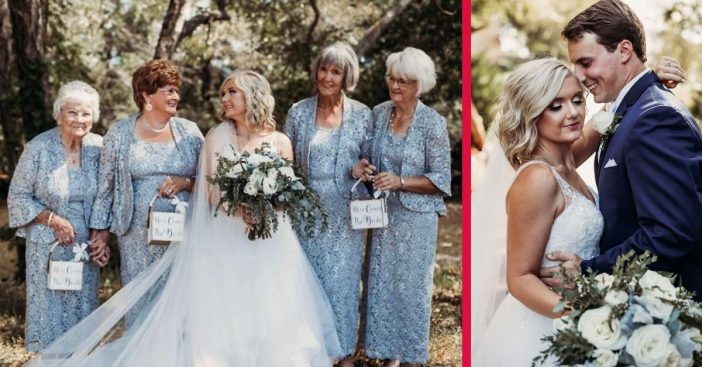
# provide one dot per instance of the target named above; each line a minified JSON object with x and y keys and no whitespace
{"x":373,"y":33}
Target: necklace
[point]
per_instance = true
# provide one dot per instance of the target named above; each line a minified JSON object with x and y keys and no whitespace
{"x":155,"y":129}
{"x":393,"y":114}
{"x":71,"y":157}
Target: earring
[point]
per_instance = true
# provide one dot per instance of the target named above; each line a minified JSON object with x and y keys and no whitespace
{"x":148,"y":106}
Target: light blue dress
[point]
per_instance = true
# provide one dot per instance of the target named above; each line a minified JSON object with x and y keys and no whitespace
{"x":327,"y":157}
{"x":130,"y":174}
{"x":402,"y":254}
{"x":43,"y":180}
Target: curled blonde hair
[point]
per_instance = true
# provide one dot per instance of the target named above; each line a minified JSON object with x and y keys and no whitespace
{"x":259,"y":100}
{"x":528,"y":92}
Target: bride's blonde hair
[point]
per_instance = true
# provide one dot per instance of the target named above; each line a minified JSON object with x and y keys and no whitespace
{"x":528,"y":91}
{"x":259,"y":100}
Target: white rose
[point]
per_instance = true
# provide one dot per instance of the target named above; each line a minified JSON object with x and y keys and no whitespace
{"x":595,"y":328}
{"x":655,"y":307}
{"x":614,"y":298}
{"x":272,"y":174}
{"x":235,"y":171}
{"x":250,"y":189}
{"x":258,"y":159}
{"x":605,"y":358}
{"x":673,"y":359}
{"x":604,"y":280}
{"x":287,"y":172}
{"x":269,"y":186}
{"x":648,"y":345}
{"x":657,"y":285}
{"x":256,"y":177}
{"x":601,"y":121}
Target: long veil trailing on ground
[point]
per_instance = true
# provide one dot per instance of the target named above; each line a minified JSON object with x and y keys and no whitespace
{"x":215,"y":299}
{"x":488,"y":237}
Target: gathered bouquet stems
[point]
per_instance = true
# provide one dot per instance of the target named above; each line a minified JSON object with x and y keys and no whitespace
{"x":262,"y":185}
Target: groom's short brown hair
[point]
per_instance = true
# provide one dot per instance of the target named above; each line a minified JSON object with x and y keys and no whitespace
{"x":611,"y":21}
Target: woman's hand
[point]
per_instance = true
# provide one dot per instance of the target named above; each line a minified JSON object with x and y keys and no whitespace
{"x":669,"y":71}
{"x":387,"y":181}
{"x":173,"y":185}
{"x":63,"y":230}
{"x":363,"y":170}
{"x":99,"y":249}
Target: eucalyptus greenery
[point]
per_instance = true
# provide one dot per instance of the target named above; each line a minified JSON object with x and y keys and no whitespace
{"x":260,"y":185}
{"x":633,"y":297}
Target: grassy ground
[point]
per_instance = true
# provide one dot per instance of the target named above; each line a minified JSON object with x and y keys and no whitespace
{"x":445,"y":343}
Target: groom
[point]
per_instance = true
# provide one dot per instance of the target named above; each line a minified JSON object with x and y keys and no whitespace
{"x":649,"y":172}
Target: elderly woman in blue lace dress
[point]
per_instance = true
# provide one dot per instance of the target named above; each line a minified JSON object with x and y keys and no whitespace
{"x":149,"y":157}
{"x":329,"y":132}
{"x":50,"y":199}
{"x":411,"y":152}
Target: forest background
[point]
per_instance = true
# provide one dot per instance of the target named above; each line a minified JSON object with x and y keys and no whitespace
{"x":46,"y":43}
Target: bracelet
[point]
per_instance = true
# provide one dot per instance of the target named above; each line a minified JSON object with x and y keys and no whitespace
{"x":51,"y":217}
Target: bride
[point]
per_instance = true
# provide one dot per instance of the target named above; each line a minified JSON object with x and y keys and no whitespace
{"x":549,"y":206}
{"x":227,"y":301}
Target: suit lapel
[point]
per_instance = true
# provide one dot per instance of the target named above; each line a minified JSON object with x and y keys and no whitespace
{"x":629,"y":99}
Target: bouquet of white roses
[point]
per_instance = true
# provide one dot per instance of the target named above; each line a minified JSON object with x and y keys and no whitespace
{"x":261,"y":184}
{"x":634,"y":317}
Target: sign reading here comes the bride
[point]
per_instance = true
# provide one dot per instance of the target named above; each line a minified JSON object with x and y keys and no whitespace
{"x":165,"y":227}
{"x":368,"y":214}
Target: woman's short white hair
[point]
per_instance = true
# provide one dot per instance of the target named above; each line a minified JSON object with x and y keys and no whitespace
{"x":342,"y":56}
{"x":77,"y":91}
{"x":413,"y":64}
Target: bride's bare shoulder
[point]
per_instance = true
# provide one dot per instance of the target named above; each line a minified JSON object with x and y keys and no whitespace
{"x":535,"y":184}
{"x":284,"y":145}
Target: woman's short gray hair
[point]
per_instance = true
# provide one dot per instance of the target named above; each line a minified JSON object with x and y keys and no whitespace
{"x":342,"y":56}
{"x":413,"y":64}
{"x":77,"y":91}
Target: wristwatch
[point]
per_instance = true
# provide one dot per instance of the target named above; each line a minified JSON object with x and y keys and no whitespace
{"x":402,"y":182}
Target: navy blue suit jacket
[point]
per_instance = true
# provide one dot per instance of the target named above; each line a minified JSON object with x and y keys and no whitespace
{"x":649,"y":179}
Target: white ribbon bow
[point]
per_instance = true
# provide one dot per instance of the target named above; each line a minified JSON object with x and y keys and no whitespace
{"x":180,"y":206}
{"x":80,"y":252}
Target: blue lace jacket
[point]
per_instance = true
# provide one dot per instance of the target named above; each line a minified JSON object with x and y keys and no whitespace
{"x":427,"y":153}
{"x":354,"y":142}
{"x":114,"y":204}
{"x":41,"y":182}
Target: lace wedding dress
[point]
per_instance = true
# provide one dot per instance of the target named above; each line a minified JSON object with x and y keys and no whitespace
{"x":513,"y":336}
{"x":226,"y":301}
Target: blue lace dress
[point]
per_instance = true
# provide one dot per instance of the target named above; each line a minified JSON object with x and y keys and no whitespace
{"x":400,"y":274}
{"x":149,"y":164}
{"x":51,"y":313}
{"x":336,"y":254}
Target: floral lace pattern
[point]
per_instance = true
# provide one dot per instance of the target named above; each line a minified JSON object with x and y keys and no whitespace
{"x":336,"y":255}
{"x":400,"y":273}
{"x":578,"y":228}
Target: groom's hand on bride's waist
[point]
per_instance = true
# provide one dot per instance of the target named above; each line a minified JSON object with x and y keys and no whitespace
{"x":552,"y":275}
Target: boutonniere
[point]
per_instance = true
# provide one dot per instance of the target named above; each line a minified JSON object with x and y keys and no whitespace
{"x":606,"y":123}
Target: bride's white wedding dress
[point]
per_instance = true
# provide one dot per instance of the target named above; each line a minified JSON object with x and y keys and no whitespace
{"x":225,"y":300}
{"x":513,"y":336}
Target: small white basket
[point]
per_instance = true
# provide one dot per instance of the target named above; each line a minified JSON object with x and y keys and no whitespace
{"x":368,"y":213}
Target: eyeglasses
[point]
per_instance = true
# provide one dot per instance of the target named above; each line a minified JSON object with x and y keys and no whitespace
{"x":170,"y":92}
{"x":401,"y":82}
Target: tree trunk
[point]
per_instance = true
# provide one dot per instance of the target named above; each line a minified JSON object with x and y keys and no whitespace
{"x":175,"y":30}
{"x":373,"y":32}
{"x":170,"y":28}
{"x":10,"y":127}
{"x":29,"y":30}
